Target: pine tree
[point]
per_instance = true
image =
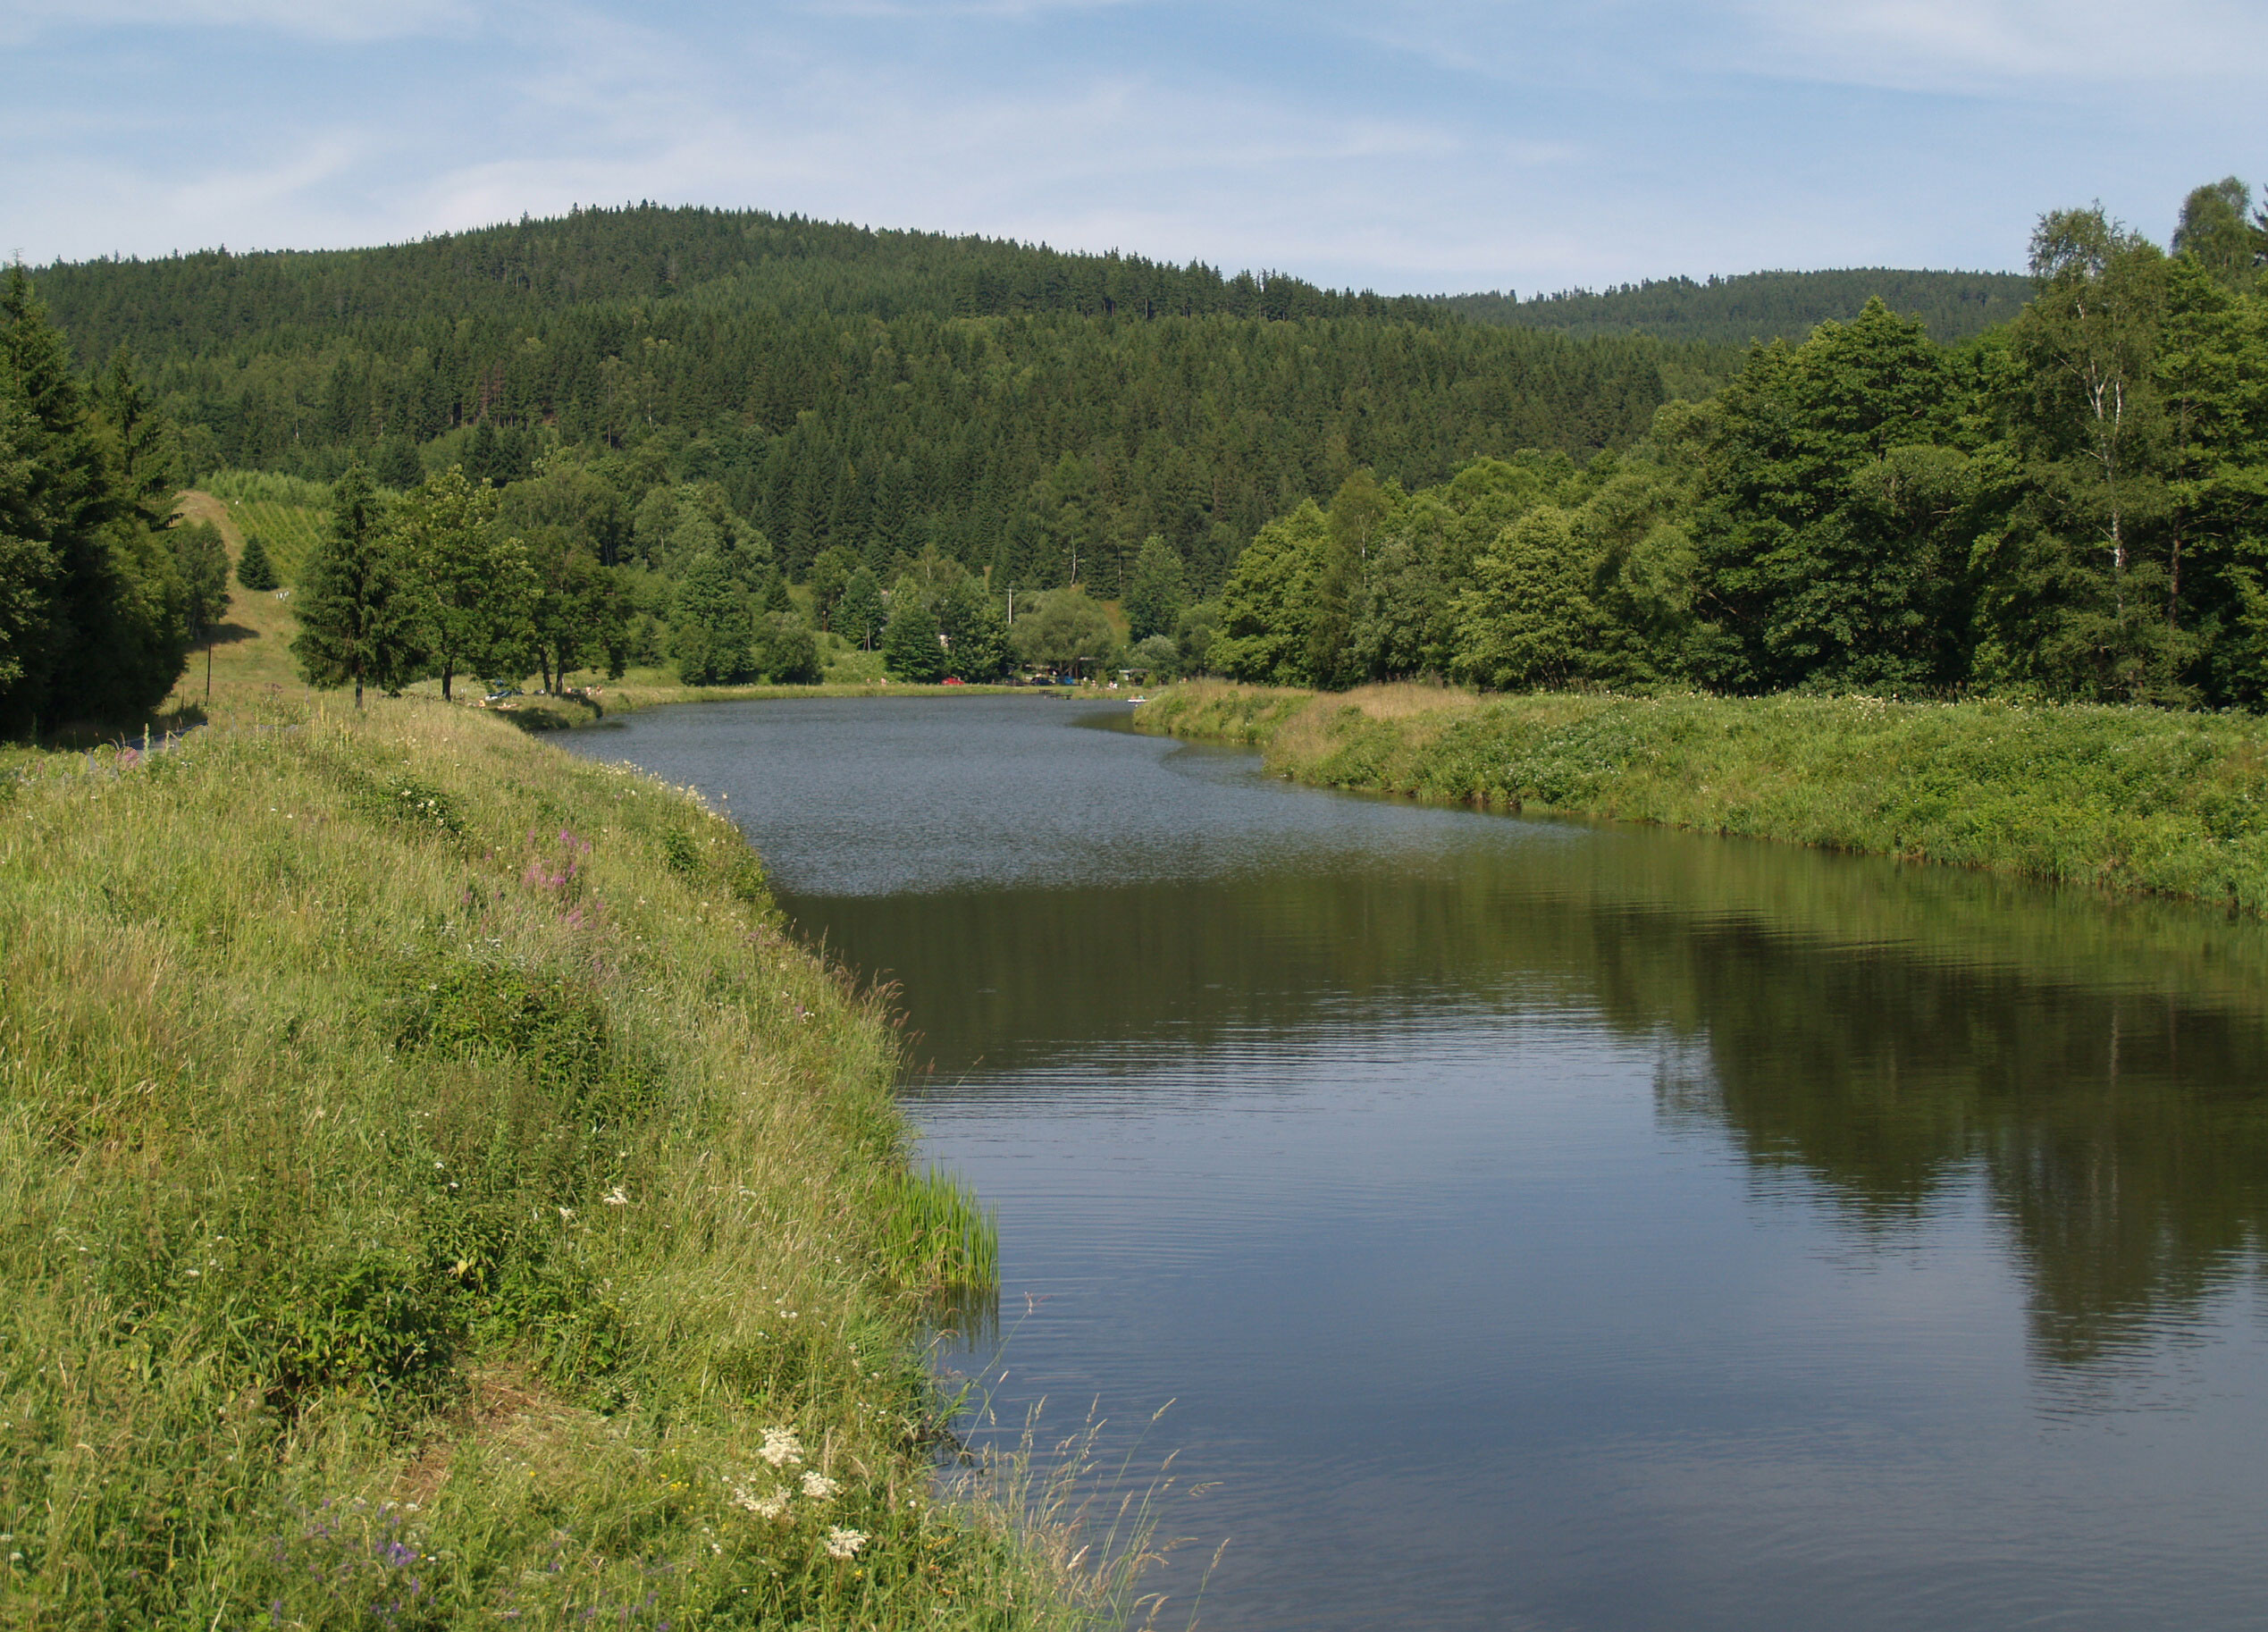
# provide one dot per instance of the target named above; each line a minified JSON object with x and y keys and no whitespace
{"x":254,"y":569}
{"x":354,"y":616}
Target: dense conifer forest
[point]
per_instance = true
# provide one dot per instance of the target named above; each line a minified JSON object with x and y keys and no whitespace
{"x":1015,"y":409}
{"x":736,"y":443}
{"x":1734,"y":311}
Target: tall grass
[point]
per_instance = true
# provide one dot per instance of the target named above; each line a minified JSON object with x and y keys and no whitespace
{"x":937,"y":1232}
{"x":433,"y":1191}
{"x":1095,"y":1506}
{"x":2131,"y":799}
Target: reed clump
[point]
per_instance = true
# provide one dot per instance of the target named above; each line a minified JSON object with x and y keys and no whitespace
{"x":2129,"y":799}
{"x":435,"y":1192}
{"x":936,"y":1231}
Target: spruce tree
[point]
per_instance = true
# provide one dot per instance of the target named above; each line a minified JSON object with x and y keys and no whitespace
{"x":254,"y":569}
{"x":354,"y":615}
{"x":398,"y":465}
{"x":1156,"y":592}
{"x":137,"y":442}
{"x":91,"y":604}
{"x":27,"y":564}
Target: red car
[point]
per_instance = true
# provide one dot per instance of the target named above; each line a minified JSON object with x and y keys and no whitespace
{"x":954,"y":679}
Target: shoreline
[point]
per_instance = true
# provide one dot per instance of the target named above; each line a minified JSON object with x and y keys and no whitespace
{"x":2132,"y":801}
{"x":575,"y":711}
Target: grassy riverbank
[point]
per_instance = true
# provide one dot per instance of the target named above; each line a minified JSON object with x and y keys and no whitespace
{"x":433,"y":1191}
{"x":2129,"y":799}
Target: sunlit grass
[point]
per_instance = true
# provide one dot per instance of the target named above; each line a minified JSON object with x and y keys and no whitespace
{"x":433,"y":1191}
{"x":2129,"y":798}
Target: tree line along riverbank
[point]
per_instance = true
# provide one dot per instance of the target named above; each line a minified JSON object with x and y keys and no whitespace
{"x":433,"y":1188}
{"x":2131,"y":799}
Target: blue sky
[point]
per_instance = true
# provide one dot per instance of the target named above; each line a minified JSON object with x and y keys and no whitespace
{"x":1403,"y":145}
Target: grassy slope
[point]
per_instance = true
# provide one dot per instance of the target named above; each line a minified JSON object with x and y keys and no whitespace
{"x":2132,"y":799}
{"x":290,"y":514}
{"x":425,"y":1174}
{"x":394,"y":1110}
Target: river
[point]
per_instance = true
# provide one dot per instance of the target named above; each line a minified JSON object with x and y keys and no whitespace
{"x":1556,"y":1224}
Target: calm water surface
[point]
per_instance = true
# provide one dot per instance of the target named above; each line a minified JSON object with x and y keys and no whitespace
{"x":1548,"y":1225}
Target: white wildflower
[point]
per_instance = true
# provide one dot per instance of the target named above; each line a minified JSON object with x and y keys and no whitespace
{"x":781,"y":1447}
{"x":770,"y":1505}
{"x":818,"y":1486}
{"x":842,"y":1544}
{"x":615,"y":1197}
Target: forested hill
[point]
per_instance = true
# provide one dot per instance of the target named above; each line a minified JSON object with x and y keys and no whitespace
{"x":193,"y":304}
{"x":1762,"y":305}
{"x":1012,"y":406}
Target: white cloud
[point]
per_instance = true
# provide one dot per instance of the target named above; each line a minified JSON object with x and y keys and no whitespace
{"x":960,"y":8}
{"x":268,"y":190}
{"x":1969,"y":45}
{"x":332,"y":20}
{"x":1955,"y":46}
{"x":1422,"y":144}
